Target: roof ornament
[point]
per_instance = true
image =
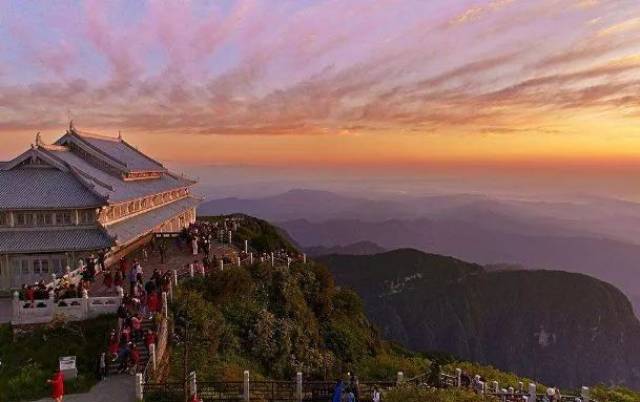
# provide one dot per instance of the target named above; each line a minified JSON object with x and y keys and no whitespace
{"x":39,"y":142}
{"x":71,"y":128}
{"x":120,"y":135}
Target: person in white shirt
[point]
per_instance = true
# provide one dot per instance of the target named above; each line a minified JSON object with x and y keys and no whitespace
{"x":375,"y":397}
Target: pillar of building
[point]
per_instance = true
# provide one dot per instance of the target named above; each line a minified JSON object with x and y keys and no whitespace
{"x":584,"y":393}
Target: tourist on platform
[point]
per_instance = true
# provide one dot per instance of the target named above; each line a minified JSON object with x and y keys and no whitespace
{"x":133,"y":278}
{"x":153,"y":303}
{"x":57,"y":386}
{"x":145,"y":254}
{"x":101,"y":260}
{"x":375,"y":395}
{"x":136,"y":327}
{"x":194,"y":245}
{"x":125,"y":334}
{"x":114,"y":344}
{"x":118,"y":279}
{"x":337,"y":392}
{"x":150,"y":339}
{"x":108,"y":279}
{"x":30,"y":295}
{"x":134,"y":357}
{"x":123,"y":357}
{"x":101,"y":367}
{"x":123,"y":266}
{"x":139,"y":270}
{"x":351,"y":397}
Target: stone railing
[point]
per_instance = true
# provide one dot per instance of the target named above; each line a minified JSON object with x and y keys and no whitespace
{"x":509,"y":394}
{"x":72,"y":309}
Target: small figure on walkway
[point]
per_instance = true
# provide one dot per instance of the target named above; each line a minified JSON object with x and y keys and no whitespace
{"x":337,"y":392}
{"x":375,"y":395}
{"x":57,"y":386}
{"x":108,"y":279}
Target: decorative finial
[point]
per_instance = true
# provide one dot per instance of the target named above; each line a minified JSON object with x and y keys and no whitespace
{"x":120,"y":135}
{"x":71,"y":125}
{"x":39,"y":142}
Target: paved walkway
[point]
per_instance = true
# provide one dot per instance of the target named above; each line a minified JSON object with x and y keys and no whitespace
{"x":120,"y":388}
{"x":176,"y":259}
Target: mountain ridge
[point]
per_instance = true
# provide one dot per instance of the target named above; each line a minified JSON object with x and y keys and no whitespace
{"x":570,"y":328}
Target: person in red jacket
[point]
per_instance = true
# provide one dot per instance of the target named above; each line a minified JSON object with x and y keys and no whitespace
{"x":153,"y":303}
{"x":149,"y":339}
{"x":57,"y":386}
{"x":30,"y":295}
{"x":135,"y":358}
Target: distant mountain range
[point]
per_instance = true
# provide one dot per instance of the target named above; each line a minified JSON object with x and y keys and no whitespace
{"x":359,"y":248}
{"x":595,"y":236}
{"x":555,"y":327}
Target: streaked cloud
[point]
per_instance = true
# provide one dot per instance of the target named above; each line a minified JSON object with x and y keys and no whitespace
{"x":319,"y":68}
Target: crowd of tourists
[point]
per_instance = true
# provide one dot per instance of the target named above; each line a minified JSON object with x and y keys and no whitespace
{"x":142,"y":300}
{"x":66,"y":286}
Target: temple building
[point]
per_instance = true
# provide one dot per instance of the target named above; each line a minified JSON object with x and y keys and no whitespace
{"x":82,"y":195}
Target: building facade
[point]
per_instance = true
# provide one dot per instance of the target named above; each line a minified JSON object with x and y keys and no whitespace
{"x":81,"y":195}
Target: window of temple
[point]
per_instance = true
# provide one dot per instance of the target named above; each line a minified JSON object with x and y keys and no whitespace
{"x":44,"y":218}
{"x":144,"y":203}
{"x":4,"y":220}
{"x":63,"y":218}
{"x":24,"y":219}
{"x":87,"y":216}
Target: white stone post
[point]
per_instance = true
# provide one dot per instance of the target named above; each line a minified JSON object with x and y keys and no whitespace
{"x":165,"y":305}
{"x":85,"y":304}
{"x":304,"y":258}
{"x":511,"y":391}
{"x":230,"y":238}
{"x":299,"y":386}
{"x":152,"y":355}
{"x":250,"y":258}
{"x":191,"y":273}
{"x":496,"y":387}
{"x":288,"y":262}
{"x":273,"y":259}
{"x":245,"y":395}
{"x":532,"y":393}
{"x":458,"y":377}
{"x":584,"y":393}
{"x":139,"y":394}
{"x":520,"y":386}
{"x":239,"y":261}
{"x":246,"y":246}
{"x":400,"y":378}
{"x":175,"y":277}
{"x":194,"y":384}
{"x":221,"y":265}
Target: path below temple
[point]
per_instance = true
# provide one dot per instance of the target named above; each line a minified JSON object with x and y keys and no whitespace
{"x":120,"y":388}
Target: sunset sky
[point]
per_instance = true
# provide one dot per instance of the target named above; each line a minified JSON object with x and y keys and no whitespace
{"x":367,"y":83}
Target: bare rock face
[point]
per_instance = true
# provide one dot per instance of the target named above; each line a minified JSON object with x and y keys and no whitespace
{"x":555,"y":327}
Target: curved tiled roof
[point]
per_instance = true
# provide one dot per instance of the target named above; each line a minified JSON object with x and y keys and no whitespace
{"x":114,"y":187}
{"x":53,"y":240}
{"x":44,"y":188}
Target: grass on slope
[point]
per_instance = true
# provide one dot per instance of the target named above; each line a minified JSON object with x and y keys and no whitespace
{"x":29,"y":359}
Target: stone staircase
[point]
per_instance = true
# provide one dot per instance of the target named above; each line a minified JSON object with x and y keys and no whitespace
{"x":112,"y":366}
